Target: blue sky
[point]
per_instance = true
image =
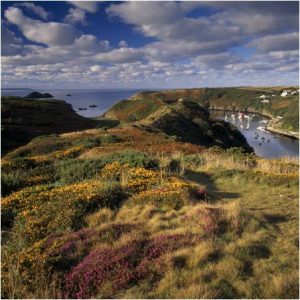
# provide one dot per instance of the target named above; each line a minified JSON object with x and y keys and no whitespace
{"x":53,"y":44}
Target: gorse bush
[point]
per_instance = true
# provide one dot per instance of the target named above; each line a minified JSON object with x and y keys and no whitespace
{"x":170,"y":195}
{"x":24,"y":172}
{"x":132,"y":159}
{"x":76,"y":170}
{"x":40,"y":211}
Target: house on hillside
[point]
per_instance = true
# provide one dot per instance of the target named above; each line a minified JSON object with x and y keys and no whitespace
{"x":284,"y":93}
{"x":265,"y":101}
{"x":262,"y":96}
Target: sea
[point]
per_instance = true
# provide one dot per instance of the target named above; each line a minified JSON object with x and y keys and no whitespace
{"x":264,"y":143}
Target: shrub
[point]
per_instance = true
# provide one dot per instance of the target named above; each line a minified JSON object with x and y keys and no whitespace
{"x":109,"y":139}
{"x":171,"y":195}
{"x":139,"y":179}
{"x":88,"y":142}
{"x":43,"y":210}
{"x":132,"y":159}
{"x":77,"y":170}
{"x":20,"y":163}
{"x":134,"y":179}
{"x":122,"y":267}
{"x":15,"y":177}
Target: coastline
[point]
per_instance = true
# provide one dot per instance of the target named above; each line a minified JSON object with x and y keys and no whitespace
{"x":268,"y":128}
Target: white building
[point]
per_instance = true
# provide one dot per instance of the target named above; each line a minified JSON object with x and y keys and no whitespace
{"x":284,"y":94}
{"x":265,"y":101}
{"x":262,"y":96}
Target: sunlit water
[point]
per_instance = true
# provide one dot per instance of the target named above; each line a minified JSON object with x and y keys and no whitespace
{"x":104,"y":99}
{"x":264,"y":143}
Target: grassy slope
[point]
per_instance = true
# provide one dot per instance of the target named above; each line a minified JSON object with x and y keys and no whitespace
{"x":24,"y":119}
{"x":241,"y":242}
{"x":129,"y":111}
{"x":224,"y":98}
{"x":189,"y":122}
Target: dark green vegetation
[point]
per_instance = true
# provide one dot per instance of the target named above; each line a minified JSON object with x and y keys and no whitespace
{"x":246,"y":98}
{"x":37,"y":95}
{"x":129,"y":111}
{"x":24,"y":119}
{"x":189,"y":122}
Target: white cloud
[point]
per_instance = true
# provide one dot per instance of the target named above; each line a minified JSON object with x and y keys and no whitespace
{"x":76,"y":15}
{"x":90,"y":43}
{"x":123,"y":44}
{"x":89,"y":6}
{"x":50,"y":33}
{"x":186,"y":51}
{"x":277,"y":42}
{"x":38,"y":10}
{"x":121,"y":55}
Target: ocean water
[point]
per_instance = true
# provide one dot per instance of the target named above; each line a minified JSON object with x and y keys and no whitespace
{"x":264,"y":143}
{"x":104,"y":99}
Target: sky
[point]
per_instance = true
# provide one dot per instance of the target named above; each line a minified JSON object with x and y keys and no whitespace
{"x":147,"y":44}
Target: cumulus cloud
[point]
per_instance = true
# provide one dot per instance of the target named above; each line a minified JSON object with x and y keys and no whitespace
{"x":50,"y":33}
{"x":123,"y":44}
{"x":233,"y":44}
{"x":90,"y":43}
{"x":76,"y":15}
{"x":38,"y":10}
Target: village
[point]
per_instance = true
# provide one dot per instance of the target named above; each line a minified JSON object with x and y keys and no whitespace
{"x":283,"y":93}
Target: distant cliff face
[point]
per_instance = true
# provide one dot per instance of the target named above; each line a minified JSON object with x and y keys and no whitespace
{"x":188,"y":122}
{"x":24,"y":119}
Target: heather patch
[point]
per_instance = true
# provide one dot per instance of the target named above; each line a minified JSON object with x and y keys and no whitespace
{"x":124,"y":266}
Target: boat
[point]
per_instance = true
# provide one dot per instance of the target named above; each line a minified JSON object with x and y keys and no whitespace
{"x":82,"y":108}
{"x":261,"y":128}
{"x":93,"y":105}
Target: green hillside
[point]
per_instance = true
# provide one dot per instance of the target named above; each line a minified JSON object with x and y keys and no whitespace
{"x":243,"y":98}
{"x":189,"y":122}
{"x":24,"y":119}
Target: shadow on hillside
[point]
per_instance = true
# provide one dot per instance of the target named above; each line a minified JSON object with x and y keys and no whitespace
{"x":275,"y":218}
{"x":107,"y":123}
{"x":205,"y":179}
